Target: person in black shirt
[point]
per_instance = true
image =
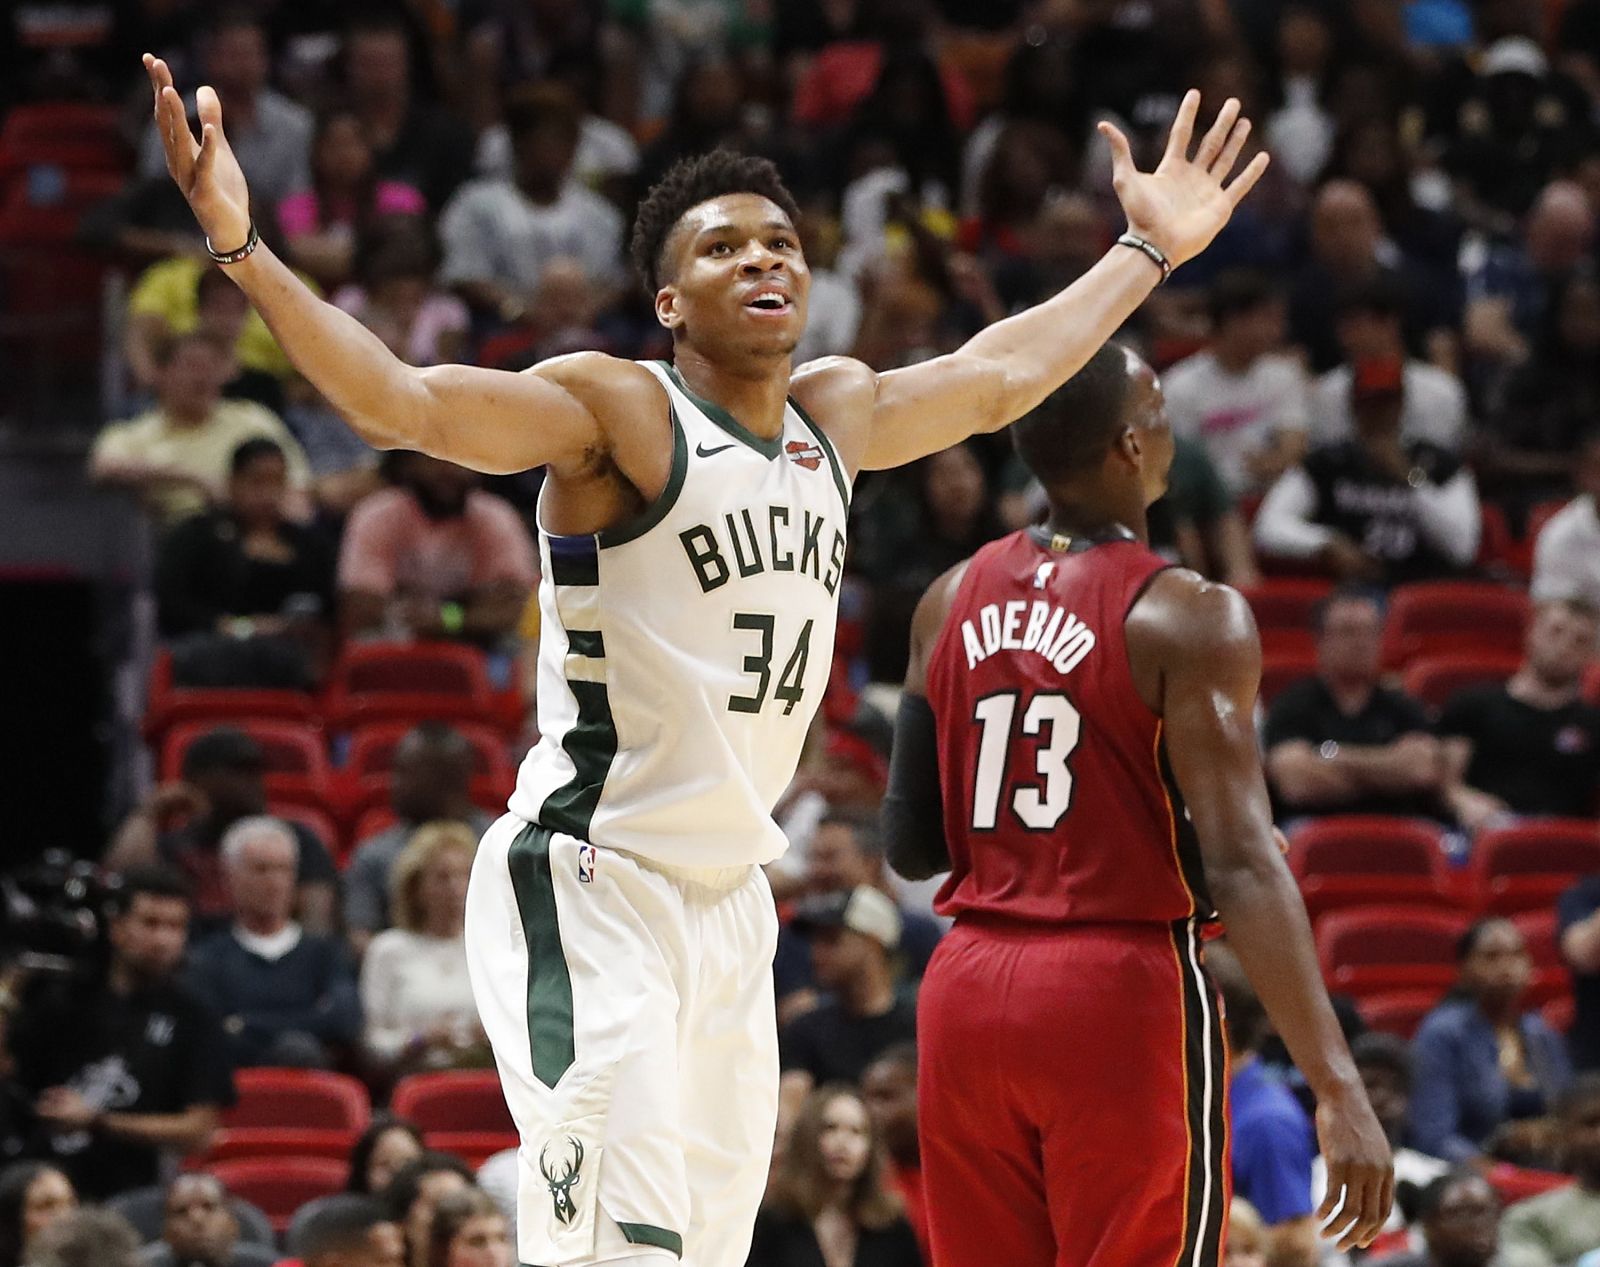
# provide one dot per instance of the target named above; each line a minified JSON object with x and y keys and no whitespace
{"x":1338,"y":742}
{"x":1530,"y":746}
{"x":244,"y":593}
{"x":852,"y":936}
{"x":1375,"y":508}
{"x":129,"y":1064}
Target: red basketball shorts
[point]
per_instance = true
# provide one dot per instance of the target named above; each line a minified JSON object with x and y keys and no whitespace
{"x":1072,"y":1098}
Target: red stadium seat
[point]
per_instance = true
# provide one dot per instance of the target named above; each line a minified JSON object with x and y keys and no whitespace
{"x":371,"y":758}
{"x":1399,"y":1012}
{"x":1434,"y":679}
{"x":1516,"y":1183}
{"x":302,"y":1098}
{"x":1368,"y":860}
{"x":473,"y":1147}
{"x":1528,"y":865}
{"x":1370,"y":950}
{"x":317,"y":821}
{"x":375,"y":682}
{"x":1559,"y":1013}
{"x":268,"y":1141}
{"x":68,"y":133}
{"x":279,"y":1186}
{"x":1283,"y":668}
{"x":455,"y":1101}
{"x":1445,"y":617}
{"x":1541,"y":931}
{"x":372,"y":821}
{"x":1284,"y":608}
{"x":296,"y":762}
{"x":167,"y":705}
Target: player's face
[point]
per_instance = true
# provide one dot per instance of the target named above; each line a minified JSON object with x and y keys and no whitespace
{"x":846,"y":1139}
{"x":739,"y":281}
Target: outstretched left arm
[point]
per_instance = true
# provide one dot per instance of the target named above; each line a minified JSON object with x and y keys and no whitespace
{"x":1007,"y":369}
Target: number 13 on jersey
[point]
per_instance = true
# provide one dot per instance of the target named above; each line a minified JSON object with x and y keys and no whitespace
{"x":1051,"y":719}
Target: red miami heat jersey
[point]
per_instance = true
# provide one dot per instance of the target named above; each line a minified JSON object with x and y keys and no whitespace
{"x":1059,"y":803}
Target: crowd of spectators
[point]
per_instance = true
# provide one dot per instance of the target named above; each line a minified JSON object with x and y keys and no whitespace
{"x":1386,"y":368}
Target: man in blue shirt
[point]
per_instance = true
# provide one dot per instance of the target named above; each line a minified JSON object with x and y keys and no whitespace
{"x":1272,"y":1140}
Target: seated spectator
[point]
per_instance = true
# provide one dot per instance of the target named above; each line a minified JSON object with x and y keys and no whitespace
{"x":414,"y":1194}
{"x":844,"y":852}
{"x":468,"y":1230}
{"x":382,"y":1150}
{"x":829,"y":1190}
{"x":1549,"y":403}
{"x":1557,"y":1227}
{"x":1349,"y":250}
{"x":414,"y":989}
{"x":220,"y":783}
{"x":33,"y":1195}
{"x":430,"y":781}
{"x":244,"y":594}
{"x":1247,"y":1236}
{"x":1487,"y":1072}
{"x":1459,"y":1214}
{"x":1271,"y":1140}
{"x":125,"y":1065}
{"x":1340,"y":742}
{"x":1196,"y":522}
{"x":394,"y":296}
{"x":349,"y":1231}
{"x":435,"y":557}
{"x":268,"y":133}
{"x":343,"y":465}
{"x":852,"y":936}
{"x":346,"y":197}
{"x":1578,"y":912}
{"x":199,"y":1229}
{"x":177,"y":455}
{"x":1433,"y":401}
{"x":288,"y":997}
{"x":498,"y":236}
{"x":1375,"y":508}
{"x":1384,"y":1064}
{"x":1243,"y":398}
{"x":1566,"y":554}
{"x":183,"y":296}
{"x":889,"y":1089}
{"x":1529,"y":747}
{"x":87,"y":1238}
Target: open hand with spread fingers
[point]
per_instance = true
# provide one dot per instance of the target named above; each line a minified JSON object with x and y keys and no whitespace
{"x":207,"y":173}
{"x":1184,"y":203}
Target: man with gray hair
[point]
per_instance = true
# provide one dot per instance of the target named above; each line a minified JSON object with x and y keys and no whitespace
{"x":287,"y":996}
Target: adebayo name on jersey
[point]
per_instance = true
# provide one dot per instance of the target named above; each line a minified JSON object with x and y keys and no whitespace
{"x":764,"y":539}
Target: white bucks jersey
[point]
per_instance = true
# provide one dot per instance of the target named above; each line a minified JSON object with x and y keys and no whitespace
{"x":683,"y":654}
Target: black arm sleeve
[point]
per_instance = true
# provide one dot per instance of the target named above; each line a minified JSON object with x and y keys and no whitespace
{"x":913,"y":809}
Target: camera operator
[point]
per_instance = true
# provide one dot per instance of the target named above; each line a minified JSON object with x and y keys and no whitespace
{"x":125,"y":1062}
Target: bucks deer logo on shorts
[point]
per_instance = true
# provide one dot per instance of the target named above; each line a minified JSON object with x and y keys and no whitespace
{"x":563,"y":1182}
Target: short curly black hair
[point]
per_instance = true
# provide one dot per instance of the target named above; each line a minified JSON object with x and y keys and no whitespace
{"x":688,"y":183}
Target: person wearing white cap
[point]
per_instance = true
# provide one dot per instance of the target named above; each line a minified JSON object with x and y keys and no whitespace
{"x":852,"y":935}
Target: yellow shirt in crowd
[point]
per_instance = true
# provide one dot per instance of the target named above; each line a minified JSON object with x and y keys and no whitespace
{"x":169,"y":290}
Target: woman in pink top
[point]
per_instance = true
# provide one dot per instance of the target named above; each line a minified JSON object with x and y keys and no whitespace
{"x":321,"y":224}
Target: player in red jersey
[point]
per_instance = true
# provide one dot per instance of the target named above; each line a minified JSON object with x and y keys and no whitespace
{"x":1090,"y":710}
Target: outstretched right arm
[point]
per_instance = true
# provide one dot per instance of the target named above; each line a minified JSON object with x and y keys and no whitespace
{"x":489,"y":420}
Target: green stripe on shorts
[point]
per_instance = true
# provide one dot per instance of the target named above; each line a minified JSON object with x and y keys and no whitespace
{"x":645,"y":1234}
{"x":550,"y":1040}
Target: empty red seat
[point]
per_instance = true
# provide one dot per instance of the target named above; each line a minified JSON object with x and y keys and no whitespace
{"x":301,"y":1098}
{"x":1517,"y":1183}
{"x":1399,"y":1012}
{"x":1284,"y":668}
{"x":268,"y":1141}
{"x":315,"y":820}
{"x":1370,"y":950}
{"x":1430,"y":618}
{"x":1528,"y":865}
{"x":473,"y":1147}
{"x":279,"y":1186}
{"x":167,"y":705}
{"x":69,"y":133}
{"x":293,"y":756}
{"x":1369,"y":860}
{"x":1434,"y":679}
{"x":1285,"y":608}
{"x":392,"y":681}
{"x":464,"y":1100}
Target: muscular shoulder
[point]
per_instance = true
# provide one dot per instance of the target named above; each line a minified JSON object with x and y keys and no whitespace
{"x":839,"y":393}
{"x":627,"y":400}
{"x":1185,"y":624}
{"x":932,"y":610}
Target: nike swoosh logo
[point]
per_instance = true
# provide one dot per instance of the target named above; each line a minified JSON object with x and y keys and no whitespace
{"x":700,"y":450}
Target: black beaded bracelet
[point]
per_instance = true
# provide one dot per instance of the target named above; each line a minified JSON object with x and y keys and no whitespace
{"x":233,"y":257}
{"x":1149,"y":250}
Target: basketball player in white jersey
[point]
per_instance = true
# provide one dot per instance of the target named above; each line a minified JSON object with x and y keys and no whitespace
{"x":619,"y":928}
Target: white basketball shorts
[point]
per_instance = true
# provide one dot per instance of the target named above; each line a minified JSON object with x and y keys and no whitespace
{"x":630,"y":1009}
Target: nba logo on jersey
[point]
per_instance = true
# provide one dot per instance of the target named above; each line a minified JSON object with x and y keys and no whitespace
{"x":1042,"y":577}
{"x":586,"y":863}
